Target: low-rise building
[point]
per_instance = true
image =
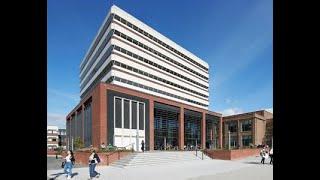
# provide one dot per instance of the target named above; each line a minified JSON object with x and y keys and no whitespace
{"x":52,"y":137}
{"x":247,"y":129}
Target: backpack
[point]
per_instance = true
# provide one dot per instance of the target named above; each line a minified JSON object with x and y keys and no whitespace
{"x":98,"y":158}
{"x":72,"y":160}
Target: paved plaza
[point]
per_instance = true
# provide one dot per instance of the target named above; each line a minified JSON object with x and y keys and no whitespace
{"x":246,"y":169}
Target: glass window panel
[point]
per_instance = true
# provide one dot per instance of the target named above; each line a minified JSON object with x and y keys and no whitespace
{"x":118,"y":114}
{"x":141,"y":116}
{"x":126,"y":114}
{"x":134,"y":116}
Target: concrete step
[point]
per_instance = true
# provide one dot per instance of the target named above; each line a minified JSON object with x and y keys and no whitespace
{"x":158,"y":157}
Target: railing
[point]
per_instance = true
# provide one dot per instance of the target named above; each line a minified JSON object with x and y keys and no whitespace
{"x":125,"y":147}
{"x":201,"y":150}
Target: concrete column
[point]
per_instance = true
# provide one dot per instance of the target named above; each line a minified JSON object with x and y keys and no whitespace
{"x":82,"y":110}
{"x":254,"y":141}
{"x":75,"y":125}
{"x":221,"y":133}
{"x":181,"y":129}
{"x":203,"y":130}
{"x":151,"y":120}
{"x":239,"y":134}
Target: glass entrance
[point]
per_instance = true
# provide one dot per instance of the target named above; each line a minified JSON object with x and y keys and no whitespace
{"x":192,"y":129}
{"x":212,"y":132}
{"x":165,"y":129}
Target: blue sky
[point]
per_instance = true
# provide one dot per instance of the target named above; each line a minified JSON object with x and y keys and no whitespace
{"x":235,"y":37}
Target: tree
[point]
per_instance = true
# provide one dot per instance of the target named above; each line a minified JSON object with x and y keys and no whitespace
{"x":78,"y":143}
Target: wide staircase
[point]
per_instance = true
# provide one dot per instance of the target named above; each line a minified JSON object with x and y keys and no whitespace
{"x":159,"y":157}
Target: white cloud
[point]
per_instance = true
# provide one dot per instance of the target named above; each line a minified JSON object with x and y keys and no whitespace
{"x":269,"y":110}
{"x":231,"y":111}
{"x":55,"y":119}
{"x":74,"y":97}
{"x":227,"y":100}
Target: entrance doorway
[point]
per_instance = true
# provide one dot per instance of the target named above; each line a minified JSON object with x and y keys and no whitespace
{"x":129,"y":123}
{"x":165,"y":129}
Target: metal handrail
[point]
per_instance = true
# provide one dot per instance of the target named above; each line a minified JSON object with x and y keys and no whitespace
{"x":125,"y":147}
{"x":201,"y":153}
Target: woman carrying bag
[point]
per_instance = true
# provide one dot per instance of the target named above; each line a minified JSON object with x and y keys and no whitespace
{"x":68,"y":164}
{"x":93,"y":161}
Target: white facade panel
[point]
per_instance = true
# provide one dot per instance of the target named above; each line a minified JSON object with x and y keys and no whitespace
{"x":131,"y":33}
{"x":156,"y":94}
{"x":135,"y":21}
{"x":96,"y":62}
{"x":137,"y":79}
{"x":96,"y":74}
{"x":141,"y":52}
{"x":95,"y":38}
{"x":136,"y":64}
{"x":96,"y":49}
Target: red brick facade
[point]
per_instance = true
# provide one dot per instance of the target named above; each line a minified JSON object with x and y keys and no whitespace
{"x":99,"y":113}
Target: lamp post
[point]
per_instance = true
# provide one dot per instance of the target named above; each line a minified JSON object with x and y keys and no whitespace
{"x":229,"y":138}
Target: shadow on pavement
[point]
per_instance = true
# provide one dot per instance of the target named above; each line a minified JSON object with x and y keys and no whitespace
{"x":56,"y":175}
{"x":74,"y":174}
{"x":257,"y":163}
{"x":59,"y":174}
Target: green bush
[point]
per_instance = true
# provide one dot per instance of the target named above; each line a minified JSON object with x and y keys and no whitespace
{"x":78,"y":144}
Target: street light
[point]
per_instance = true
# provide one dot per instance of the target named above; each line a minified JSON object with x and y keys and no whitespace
{"x":229,"y":138}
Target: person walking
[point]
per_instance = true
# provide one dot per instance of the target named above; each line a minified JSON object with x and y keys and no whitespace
{"x":271,"y":156}
{"x":266,"y":155}
{"x":142,"y":146}
{"x":93,"y":161}
{"x":262,"y":154}
{"x":69,"y":162}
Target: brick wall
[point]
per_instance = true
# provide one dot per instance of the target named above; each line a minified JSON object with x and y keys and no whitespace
{"x":106,"y":158}
{"x":232,"y":154}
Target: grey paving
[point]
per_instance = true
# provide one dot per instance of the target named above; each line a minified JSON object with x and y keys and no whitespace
{"x":176,"y":166}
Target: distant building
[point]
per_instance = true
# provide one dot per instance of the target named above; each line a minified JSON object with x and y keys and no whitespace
{"x":52,"y":137}
{"x":62,"y":138}
{"x":247,"y":128}
{"x":269,"y":133}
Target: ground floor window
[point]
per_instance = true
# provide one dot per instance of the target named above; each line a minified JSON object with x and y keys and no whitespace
{"x":212,"y":131}
{"x":233,"y":141}
{"x":246,"y":140}
{"x":192,"y":129}
{"x":166,"y":129}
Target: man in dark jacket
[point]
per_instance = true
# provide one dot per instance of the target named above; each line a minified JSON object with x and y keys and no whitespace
{"x":142,"y":146}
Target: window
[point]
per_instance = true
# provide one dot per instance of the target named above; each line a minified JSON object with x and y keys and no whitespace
{"x":126,"y":114}
{"x":141,"y":116}
{"x":246,"y":125}
{"x":117,"y":17}
{"x":54,"y":139}
{"x":232,"y":126}
{"x":118,"y":114}
{"x":134,"y":115}
{"x":246,"y":140}
{"x":233,"y":141}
